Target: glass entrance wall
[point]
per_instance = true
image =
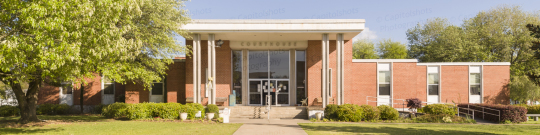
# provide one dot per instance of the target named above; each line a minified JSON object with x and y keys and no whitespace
{"x":300,"y":76}
{"x":268,"y":76}
{"x":237,"y":75}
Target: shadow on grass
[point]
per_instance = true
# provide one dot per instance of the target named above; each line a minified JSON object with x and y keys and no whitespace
{"x":26,"y":130}
{"x":357,"y":129}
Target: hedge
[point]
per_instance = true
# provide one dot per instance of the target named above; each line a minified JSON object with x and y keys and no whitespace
{"x":350,"y":112}
{"x":330,"y":112}
{"x":535,"y":109}
{"x":371,"y":112}
{"x":439,"y":109}
{"x":52,"y":109}
{"x":514,"y":114}
{"x":388,"y":112}
{"x":151,"y":110}
{"x":8,"y":110}
{"x":115,"y":110}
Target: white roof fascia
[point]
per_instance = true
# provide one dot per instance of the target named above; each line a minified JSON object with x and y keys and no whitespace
{"x":384,"y":60}
{"x":464,"y":63}
{"x":275,"y":25}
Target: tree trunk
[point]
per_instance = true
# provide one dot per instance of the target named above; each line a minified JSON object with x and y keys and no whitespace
{"x":27,"y":102}
{"x":82,"y":98}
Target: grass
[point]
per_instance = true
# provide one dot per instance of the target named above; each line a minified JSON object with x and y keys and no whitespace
{"x":95,"y":124}
{"x":436,"y":129}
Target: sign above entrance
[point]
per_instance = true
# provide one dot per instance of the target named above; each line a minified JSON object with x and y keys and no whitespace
{"x":269,"y":45}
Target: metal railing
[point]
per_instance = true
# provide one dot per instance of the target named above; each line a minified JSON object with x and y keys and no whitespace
{"x":483,"y":111}
{"x":392,"y":102}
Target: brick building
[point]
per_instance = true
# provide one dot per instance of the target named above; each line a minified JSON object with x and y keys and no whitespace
{"x":283,"y":62}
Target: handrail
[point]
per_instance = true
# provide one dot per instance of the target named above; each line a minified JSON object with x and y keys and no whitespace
{"x":482,"y":111}
{"x":376,"y":101}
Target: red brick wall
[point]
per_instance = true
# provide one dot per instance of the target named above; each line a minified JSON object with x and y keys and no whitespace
{"x":176,"y":82}
{"x":92,"y":92}
{"x":455,"y":84}
{"x":421,"y":83}
{"x":223,"y":71}
{"x":360,"y":82}
{"x":495,"y":81}
{"x":313,"y":65}
{"x":48,"y":94}
{"x":135,"y":93}
{"x":403,"y":81}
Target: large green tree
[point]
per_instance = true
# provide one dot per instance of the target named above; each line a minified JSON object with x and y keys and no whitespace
{"x":497,"y":35}
{"x":55,"y":41}
{"x":364,"y":49}
{"x":389,"y":49}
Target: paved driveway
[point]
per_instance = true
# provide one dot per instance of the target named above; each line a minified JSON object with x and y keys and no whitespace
{"x":269,"y":127}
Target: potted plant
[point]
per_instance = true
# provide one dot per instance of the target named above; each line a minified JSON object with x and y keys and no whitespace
{"x":211,"y":110}
{"x":209,"y":116}
{"x":183,"y":115}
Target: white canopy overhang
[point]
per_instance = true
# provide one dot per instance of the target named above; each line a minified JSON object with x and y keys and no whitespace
{"x":275,"y":29}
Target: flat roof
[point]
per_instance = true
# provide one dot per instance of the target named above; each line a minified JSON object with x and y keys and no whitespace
{"x":275,"y":29}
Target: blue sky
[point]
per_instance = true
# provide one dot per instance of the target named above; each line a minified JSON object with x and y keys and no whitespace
{"x":384,"y":19}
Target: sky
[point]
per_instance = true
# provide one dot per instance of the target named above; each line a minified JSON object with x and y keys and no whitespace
{"x":384,"y":19}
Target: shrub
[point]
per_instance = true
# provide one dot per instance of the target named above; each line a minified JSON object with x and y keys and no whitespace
{"x":414,"y":103}
{"x":115,"y":110}
{"x":535,"y":109}
{"x":350,"y":112}
{"x":330,"y":111}
{"x":98,"y":109}
{"x":8,"y":110}
{"x":193,"y":108}
{"x":140,"y":111}
{"x":370,"y":112}
{"x":388,"y":112}
{"x":514,"y":114}
{"x":169,"y":110}
{"x":440,"y":109}
{"x":211,"y":108}
{"x":52,"y":109}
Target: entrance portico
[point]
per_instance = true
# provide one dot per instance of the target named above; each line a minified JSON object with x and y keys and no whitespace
{"x":268,"y":57}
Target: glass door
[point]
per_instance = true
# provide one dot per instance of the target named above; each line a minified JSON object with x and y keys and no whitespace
{"x":255,"y":92}
{"x":268,"y":75}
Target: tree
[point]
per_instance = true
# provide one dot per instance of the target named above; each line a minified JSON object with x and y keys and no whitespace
{"x":364,"y":49}
{"x":56,"y":41}
{"x":389,"y":49}
{"x":522,"y":89}
{"x":497,"y":35}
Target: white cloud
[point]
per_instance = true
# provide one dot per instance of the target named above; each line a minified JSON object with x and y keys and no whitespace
{"x":366,"y":34}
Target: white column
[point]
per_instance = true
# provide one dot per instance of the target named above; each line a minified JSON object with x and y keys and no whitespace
{"x":212,"y":66}
{"x":209,"y":72}
{"x":324,"y":70}
{"x":196,"y":68}
{"x":339,"y":62}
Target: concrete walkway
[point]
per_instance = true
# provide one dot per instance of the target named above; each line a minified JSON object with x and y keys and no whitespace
{"x":269,"y":127}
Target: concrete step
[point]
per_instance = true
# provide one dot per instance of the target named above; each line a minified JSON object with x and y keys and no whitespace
{"x":276,"y":112}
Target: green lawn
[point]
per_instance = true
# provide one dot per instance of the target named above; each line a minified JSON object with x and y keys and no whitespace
{"x":412,"y":129}
{"x":99,"y":125}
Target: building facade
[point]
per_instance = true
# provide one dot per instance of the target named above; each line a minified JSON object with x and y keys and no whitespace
{"x":295,"y":62}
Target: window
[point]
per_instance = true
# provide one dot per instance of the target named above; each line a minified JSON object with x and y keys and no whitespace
{"x":433,"y":80}
{"x":475,"y":80}
{"x":108,"y":86}
{"x":384,"y":79}
{"x":157,"y":88}
{"x":237,"y":75}
{"x":67,"y":88}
